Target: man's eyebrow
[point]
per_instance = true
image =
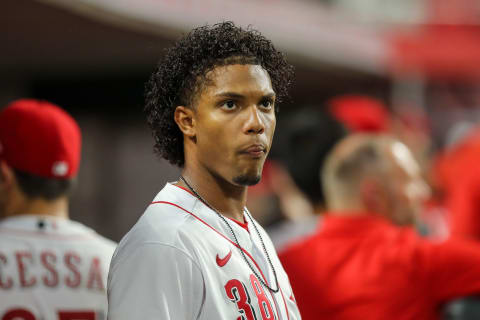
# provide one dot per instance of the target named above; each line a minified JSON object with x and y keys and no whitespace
{"x":270,"y":95}
{"x":234,"y":95}
{"x":230,"y":95}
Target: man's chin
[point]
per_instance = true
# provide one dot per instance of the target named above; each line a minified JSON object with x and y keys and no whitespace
{"x":247,"y":180}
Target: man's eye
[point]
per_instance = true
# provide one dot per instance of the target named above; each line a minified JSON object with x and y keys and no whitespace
{"x":267,"y":104}
{"x":229,"y":105}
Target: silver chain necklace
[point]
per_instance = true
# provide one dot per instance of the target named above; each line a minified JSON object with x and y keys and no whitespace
{"x":236,"y":240}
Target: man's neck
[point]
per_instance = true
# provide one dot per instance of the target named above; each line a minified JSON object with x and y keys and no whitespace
{"x":228,"y":199}
{"x":347,"y":207}
{"x":38,"y":206}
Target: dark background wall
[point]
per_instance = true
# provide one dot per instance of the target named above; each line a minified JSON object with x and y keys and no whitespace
{"x":97,"y":72}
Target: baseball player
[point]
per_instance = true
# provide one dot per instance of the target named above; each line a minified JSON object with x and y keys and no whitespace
{"x":50,"y":267}
{"x":197,"y":253}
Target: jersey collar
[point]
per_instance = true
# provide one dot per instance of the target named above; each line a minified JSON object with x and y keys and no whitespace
{"x":190,"y":202}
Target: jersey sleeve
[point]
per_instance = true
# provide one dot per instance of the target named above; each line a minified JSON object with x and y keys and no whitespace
{"x":453,"y":269}
{"x":155,"y":281}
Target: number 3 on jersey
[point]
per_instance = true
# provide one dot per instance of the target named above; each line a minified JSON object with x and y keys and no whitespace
{"x":238,"y":293}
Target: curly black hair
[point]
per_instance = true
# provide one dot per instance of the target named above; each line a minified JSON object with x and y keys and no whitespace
{"x":182,"y":72}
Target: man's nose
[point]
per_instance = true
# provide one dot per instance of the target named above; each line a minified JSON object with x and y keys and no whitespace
{"x":254,"y":123}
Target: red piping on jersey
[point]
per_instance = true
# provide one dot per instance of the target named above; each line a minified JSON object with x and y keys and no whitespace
{"x":285,"y":302}
{"x":245,"y":251}
{"x":244,"y":225}
{"x":184,"y":189}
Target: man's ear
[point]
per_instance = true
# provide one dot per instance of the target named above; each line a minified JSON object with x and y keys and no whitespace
{"x":7,"y":178}
{"x":373,"y":195}
{"x":184,"y":118}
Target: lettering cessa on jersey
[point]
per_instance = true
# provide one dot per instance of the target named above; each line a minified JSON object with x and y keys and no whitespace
{"x":52,"y":268}
{"x":180,"y":262}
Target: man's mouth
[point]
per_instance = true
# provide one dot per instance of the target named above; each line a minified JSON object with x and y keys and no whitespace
{"x":255,"y":150}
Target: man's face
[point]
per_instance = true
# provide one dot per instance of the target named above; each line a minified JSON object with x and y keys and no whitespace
{"x":234,"y":123}
{"x":408,"y":188}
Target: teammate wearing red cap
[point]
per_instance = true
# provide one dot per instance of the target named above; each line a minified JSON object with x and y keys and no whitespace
{"x":50,"y":267}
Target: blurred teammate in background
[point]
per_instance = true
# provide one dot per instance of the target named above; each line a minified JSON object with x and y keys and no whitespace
{"x":365,"y":261}
{"x":366,"y":114}
{"x":458,"y":174}
{"x":302,"y":143}
{"x":196,"y":252}
{"x":50,"y":267}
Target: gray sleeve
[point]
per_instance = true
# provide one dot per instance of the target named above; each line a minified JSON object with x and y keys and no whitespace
{"x":155,"y":281}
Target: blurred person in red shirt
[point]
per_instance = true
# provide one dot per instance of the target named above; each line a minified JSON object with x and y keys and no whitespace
{"x":305,"y":137}
{"x":366,"y":114}
{"x":458,"y":175}
{"x":366,"y":261}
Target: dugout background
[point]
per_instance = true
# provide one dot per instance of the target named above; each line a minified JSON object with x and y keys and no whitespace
{"x":96,"y":69}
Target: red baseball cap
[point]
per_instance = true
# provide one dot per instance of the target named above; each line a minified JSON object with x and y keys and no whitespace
{"x":360,"y":113}
{"x":39,"y":138}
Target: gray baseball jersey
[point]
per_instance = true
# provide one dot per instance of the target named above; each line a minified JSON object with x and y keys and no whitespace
{"x":52,"y":269}
{"x":180,"y":261}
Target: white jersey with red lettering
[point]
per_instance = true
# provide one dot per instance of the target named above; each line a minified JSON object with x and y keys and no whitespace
{"x":52,"y":269}
{"x":180,"y":261}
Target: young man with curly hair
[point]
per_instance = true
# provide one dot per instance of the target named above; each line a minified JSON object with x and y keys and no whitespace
{"x":197,"y":253}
